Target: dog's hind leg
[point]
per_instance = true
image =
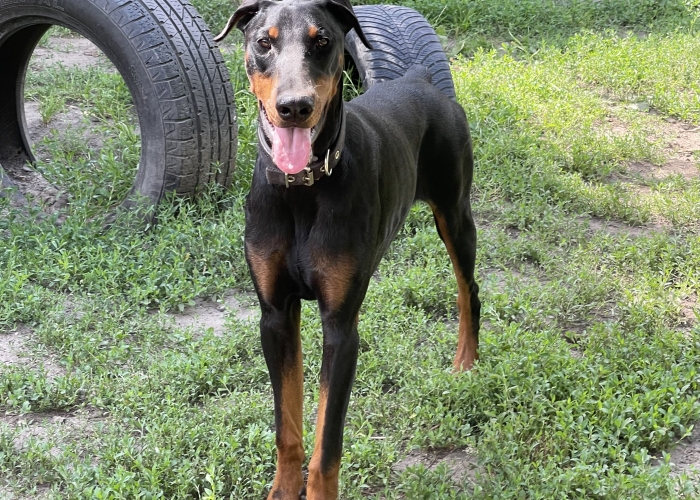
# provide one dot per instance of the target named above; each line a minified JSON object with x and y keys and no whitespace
{"x":456,"y":228}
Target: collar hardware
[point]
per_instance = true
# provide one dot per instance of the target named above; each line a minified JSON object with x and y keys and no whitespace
{"x":308,"y":177}
{"x":325,"y":169}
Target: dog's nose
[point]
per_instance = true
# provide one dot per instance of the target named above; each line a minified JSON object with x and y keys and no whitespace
{"x":295,"y":109}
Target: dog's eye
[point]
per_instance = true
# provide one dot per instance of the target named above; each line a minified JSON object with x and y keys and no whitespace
{"x":265,"y":43}
{"x":321,"y":41}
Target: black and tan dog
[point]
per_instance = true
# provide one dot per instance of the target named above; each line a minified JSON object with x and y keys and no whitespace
{"x":332,"y":185}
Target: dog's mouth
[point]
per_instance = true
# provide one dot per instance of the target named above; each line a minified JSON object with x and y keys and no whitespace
{"x":291,"y":146}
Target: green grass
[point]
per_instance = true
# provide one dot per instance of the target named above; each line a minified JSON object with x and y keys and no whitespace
{"x":587,"y":370}
{"x":527,"y":23}
{"x":523,"y":23}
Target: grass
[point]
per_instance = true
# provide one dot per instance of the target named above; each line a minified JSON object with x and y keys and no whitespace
{"x":587,"y":368}
{"x":527,"y":23}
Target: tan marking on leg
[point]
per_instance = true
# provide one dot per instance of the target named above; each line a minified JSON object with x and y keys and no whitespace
{"x":320,"y":421}
{"x":321,"y":486}
{"x":334,"y":276}
{"x":313,"y":31}
{"x":265,"y":266}
{"x":467,"y":345}
{"x":273,"y":32}
{"x":290,"y":445}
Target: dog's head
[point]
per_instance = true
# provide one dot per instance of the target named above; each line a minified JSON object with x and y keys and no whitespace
{"x":294,"y":58}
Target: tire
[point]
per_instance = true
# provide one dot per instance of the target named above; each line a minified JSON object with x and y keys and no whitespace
{"x":175,"y":73}
{"x":401,"y":37}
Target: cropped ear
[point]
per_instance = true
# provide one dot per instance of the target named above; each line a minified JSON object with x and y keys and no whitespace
{"x":342,"y":10}
{"x":240,"y":18}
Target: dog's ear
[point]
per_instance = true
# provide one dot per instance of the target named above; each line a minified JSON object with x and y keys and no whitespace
{"x":240,"y":18}
{"x":342,"y":10}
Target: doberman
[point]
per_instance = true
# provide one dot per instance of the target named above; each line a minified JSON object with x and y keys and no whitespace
{"x":331,"y":187}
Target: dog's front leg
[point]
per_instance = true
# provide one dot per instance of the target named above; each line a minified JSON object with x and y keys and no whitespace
{"x":340,"y":348}
{"x":281,"y":342}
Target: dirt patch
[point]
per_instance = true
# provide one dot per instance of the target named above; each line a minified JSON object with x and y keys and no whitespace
{"x":70,"y":52}
{"x":618,"y":228}
{"x":19,"y":348}
{"x":214,"y":313}
{"x":681,"y":146}
{"x":616,"y":127}
{"x":684,"y":140}
{"x":685,"y":458}
{"x":6,"y":493}
{"x":50,"y":433}
{"x":679,"y":142}
{"x":689,"y":316}
{"x":686,"y":168}
{"x":462,"y":464}
{"x":615,"y":228}
{"x":35,"y":187}
{"x":70,"y":119}
{"x":58,"y":425}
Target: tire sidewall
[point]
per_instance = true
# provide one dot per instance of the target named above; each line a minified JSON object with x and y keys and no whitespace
{"x":99,"y":26}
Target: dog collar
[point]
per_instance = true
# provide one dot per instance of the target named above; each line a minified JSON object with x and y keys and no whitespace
{"x":314,"y":171}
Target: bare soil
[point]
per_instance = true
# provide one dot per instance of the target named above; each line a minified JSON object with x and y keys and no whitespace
{"x":53,"y":430}
{"x":618,"y":228}
{"x":680,"y":142}
{"x":20,"y":347}
{"x":690,"y":312}
{"x":73,"y":51}
{"x":206,"y":314}
{"x":54,"y":427}
{"x":462,"y":464}
{"x":685,"y":457}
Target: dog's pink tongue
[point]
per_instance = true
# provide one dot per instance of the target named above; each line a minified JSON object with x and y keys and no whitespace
{"x":291,"y":148}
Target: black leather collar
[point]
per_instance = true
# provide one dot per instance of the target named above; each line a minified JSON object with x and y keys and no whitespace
{"x":314,"y":171}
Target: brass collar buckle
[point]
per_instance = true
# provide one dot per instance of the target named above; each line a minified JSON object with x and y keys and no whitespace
{"x":308,"y":178}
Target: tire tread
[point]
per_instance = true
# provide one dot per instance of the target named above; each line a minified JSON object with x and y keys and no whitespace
{"x":401,"y":37}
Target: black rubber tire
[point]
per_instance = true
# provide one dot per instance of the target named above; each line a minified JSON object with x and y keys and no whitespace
{"x":401,"y":37}
{"x":176,"y":75}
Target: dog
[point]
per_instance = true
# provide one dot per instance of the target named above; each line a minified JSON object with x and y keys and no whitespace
{"x":332,"y":186}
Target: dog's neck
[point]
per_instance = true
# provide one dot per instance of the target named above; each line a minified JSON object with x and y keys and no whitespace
{"x":328,"y":136}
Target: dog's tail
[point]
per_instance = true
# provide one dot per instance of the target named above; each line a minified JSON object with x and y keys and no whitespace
{"x":419,"y":71}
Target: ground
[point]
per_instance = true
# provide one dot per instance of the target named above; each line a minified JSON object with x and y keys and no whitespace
{"x":213,"y":316}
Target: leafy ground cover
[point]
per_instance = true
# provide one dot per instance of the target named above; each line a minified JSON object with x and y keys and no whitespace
{"x":114,"y":384}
